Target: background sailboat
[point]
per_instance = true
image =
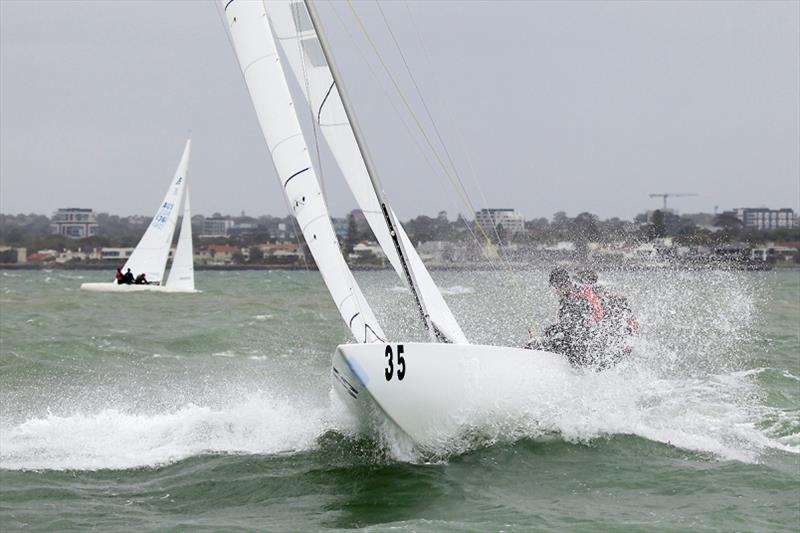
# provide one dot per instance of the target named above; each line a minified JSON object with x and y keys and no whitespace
{"x":421,"y":387}
{"x":151,"y":254}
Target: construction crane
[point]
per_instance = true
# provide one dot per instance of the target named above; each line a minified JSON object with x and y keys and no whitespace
{"x":665,"y":195}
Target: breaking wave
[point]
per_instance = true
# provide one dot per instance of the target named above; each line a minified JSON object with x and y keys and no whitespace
{"x":116,"y":439}
{"x":714,"y":415}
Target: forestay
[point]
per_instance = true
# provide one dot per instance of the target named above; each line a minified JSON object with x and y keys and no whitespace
{"x":301,"y":46}
{"x":258,"y":57}
{"x":181,"y":273}
{"x":150,"y":255}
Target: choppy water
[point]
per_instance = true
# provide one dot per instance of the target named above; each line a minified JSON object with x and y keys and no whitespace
{"x":215,"y":411}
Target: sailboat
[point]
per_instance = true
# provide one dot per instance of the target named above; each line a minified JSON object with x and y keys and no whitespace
{"x":421,"y":387}
{"x":151,"y":254}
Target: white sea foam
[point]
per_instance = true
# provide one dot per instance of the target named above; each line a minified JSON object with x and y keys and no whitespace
{"x":224,"y":354}
{"x":450,"y":291}
{"x":715,"y":415}
{"x":456,"y":290}
{"x":719,"y":415}
{"x":116,"y":439}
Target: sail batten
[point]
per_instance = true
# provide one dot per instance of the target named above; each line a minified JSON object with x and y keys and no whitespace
{"x":269,"y":91}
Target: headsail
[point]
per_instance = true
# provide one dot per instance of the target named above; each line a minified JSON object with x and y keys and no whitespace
{"x":150,"y":255}
{"x":303,"y":50}
{"x":181,"y":273}
{"x":258,"y":57}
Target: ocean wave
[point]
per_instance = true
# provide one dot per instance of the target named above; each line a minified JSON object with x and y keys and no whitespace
{"x":719,"y":415}
{"x":714,"y":415}
{"x":115,"y":439}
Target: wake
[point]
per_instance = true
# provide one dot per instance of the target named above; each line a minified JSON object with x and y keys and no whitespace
{"x":719,"y":415}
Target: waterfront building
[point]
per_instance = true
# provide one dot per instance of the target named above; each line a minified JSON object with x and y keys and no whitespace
{"x":216,"y":226}
{"x":763,"y":218}
{"x":509,"y":219}
{"x":74,"y":223}
{"x":9,"y":254}
{"x":217,"y":254}
{"x":115,"y":254}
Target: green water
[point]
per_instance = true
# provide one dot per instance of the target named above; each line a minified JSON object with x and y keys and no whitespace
{"x":215,"y":411}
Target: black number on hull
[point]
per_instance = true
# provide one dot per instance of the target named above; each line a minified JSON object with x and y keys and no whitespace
{"x":401,"y":363}
{"x":389,"y":370}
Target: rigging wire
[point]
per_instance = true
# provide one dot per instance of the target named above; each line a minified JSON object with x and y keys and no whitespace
{"x":471,"y":167}
{"x":455,"y":181}
{"x":459,"y":190}
{"x":436,"y":129}
{"x":379,"y":82}
{"x":455,"y":178}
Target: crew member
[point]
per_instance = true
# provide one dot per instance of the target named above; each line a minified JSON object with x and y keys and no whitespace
{"x":578,"y":314}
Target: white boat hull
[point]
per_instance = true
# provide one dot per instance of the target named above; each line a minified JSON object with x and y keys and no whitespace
{"x":445,"y":388}
{"x":114,"y":287}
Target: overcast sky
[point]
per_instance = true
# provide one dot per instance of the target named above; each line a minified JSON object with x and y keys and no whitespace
{"x":544,"y":106}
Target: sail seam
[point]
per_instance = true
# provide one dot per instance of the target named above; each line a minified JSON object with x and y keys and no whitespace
{"x":256,"y":60}
{"x":289,"y":138}
{"x":226,"y":5}
{"x":312,"y":221}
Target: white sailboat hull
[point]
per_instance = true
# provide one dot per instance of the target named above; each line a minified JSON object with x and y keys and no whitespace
{"x":114,"y":287}
{"x":444,"y":388}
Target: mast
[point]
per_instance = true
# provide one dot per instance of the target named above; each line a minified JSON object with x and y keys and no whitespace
{"x":373,"y":173}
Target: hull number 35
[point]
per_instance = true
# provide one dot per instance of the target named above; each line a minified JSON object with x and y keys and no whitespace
{"x":401,"y":363}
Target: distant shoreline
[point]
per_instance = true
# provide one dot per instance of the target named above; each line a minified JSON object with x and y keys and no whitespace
{"x":637,"y":266}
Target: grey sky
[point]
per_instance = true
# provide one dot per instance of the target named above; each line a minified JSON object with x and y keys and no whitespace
{"x":544,"y":106}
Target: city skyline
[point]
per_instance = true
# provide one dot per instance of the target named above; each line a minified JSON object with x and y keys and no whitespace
{"x":450,"y":217}
{"x":579,"y":107}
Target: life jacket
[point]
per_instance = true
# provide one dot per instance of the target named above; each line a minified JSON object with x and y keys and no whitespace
{"x":593,"y":299}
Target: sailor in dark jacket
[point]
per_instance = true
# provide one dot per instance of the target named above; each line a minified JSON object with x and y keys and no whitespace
{"x":592,"y":326}
{"x":578,"y":314}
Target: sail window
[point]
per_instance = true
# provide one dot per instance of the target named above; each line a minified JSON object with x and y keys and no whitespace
{"x":300,"y":17}
{"x":314,"y":52}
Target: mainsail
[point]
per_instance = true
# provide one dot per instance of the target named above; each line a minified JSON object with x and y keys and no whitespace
{"x":181,"y":273}
{"x":258,"y":58}
{"x":300,"y":44}
{"x":150,"y":255}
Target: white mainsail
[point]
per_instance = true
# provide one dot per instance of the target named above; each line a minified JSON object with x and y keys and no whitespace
{"x":258,"y":58}
{"x":301,"y":46}
{"x":150,"y":255}
{"x":181,"y":273}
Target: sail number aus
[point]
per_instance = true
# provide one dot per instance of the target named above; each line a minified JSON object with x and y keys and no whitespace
{"x":389,"y":371}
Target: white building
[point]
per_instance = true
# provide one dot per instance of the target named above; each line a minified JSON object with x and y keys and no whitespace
{"x":764,"y":218}
{"x":74,"y":222}
{"x":115,"y":254}
{"x":216,"y":227}
{"x":509,"y":219}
